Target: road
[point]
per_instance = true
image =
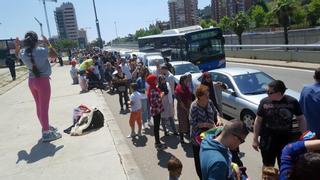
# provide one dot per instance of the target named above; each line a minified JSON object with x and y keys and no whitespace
{"x":153,"y":163}
{"x":293,"y":78}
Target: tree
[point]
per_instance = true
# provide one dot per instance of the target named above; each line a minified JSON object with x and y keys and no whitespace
{"x":313,"y":12}
{"x":95,"y":43}
{"x":206,"y":23}
{"x":225,"y":24}
{"x":65,"y":44}
{"x":284,"y":10}
{"x":239,"y":24}
{"x":258,"y":15}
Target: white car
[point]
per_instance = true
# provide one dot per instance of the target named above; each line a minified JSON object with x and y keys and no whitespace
{"x":151,"y":60}
{"x":246,"y":88}
{"x":183,"y":67}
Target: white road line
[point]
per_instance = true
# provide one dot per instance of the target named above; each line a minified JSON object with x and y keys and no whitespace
{"x":271,"y":66}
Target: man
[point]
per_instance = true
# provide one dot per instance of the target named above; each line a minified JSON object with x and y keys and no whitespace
{"x":215,"y":157}
{"x":170,"y":67}
{"x":274,"y":123}
{"x":310,"y":103}
{"x":10,"y":62}
{"x":126,"y":69}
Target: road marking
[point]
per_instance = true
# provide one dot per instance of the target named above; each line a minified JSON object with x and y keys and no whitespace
{"x":272,"y":66}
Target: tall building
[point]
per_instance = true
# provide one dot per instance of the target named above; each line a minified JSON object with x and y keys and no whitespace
{"x":230,"y":8}
{"x":82,"y":38}
{"x":66,"y":21}
{"x":183,"y":13}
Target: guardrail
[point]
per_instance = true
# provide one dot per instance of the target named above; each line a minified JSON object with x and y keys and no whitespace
{"x":293,"y":52}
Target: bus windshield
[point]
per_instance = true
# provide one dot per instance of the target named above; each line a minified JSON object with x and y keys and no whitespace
{"x":205,"y":47}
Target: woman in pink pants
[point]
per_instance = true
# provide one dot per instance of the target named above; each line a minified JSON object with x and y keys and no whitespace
{"x":36,"y":59}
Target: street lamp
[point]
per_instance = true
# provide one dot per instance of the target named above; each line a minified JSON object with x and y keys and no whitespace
{"x":115,"y":25}
{"x":40,"y":25}
{"x":97,"y":24}
{"x":45,"y":11}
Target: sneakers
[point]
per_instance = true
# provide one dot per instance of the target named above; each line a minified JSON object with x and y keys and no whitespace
{"x":131,"y":135}
{"x":51,"y":128}
{"x":50,"y":136}
{"x":160,"y":146}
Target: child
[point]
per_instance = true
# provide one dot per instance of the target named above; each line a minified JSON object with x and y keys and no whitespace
{"x":167,"y":102}
{"x":135,"y":115}
{"x":74,"y":72}
{"x":83,"y":81}
{"x":174,"y":168}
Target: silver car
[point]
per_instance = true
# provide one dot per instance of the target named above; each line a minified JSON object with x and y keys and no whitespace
{"x":182,"y":67}
{"x":246,"y":88}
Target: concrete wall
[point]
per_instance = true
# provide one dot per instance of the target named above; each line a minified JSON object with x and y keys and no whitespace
{"x":300,"y":56}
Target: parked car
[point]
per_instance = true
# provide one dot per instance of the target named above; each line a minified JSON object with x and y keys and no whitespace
{"x":182,"y":67}
{"x":151,"y":60}
{"x":245,"y":89}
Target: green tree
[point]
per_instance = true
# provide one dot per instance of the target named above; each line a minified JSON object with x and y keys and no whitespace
{"x":284,"y":10}
{"x":225,"y":24}
{"x":65,"y":44}
{"x":95,"y":43}
{"x":239,"y":24}
{"x":313,"y":12}
{"x":206,"y":23}
{"x":258,"y":15}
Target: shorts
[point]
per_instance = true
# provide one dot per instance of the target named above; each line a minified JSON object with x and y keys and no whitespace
{"x":271,"y":147}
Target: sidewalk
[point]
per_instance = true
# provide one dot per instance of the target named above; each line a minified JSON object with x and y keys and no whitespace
{"x":98,"y":155}
{"x":288,"y":64}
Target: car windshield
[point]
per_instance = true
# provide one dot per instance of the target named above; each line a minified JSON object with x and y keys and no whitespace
{"x":184,"y":68}
{"x":153,"y":62}
{"x":253,"y":83}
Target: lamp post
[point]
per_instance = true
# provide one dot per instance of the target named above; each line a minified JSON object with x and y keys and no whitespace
{"x":115,"y":25}
{"x":45,"y":11}
{"x":40,"y":25}
{"x":97,"y":24}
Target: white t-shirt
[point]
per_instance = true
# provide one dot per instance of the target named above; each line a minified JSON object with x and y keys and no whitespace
{"x":126,"y":70}
{"x":135,"y":99}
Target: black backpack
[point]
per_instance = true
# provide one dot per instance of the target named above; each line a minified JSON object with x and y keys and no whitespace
{"x":97,"y":119}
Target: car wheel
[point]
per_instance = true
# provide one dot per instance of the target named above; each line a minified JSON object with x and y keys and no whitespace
{"x":248,"y":118}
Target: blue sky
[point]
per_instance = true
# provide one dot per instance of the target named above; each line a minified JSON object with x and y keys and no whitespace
{"x":16,"y":16}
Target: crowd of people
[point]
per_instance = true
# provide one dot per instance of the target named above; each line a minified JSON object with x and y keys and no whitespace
{"x":215,"y":145}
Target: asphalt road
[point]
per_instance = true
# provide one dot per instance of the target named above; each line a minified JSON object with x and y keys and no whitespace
{"x":294,"y":79}
{"x":153,"y":163}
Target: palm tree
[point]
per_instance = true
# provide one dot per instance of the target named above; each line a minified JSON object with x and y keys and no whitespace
{"x":284,"y":9}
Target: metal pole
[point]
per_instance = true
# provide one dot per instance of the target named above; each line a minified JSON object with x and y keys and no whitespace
{"x":40,"y":25}
{"x":115,"y":25}
{"x":97,"y":23}
{"x":45,"y":11}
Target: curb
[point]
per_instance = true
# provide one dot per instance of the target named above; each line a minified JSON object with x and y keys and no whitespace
{"x":127,"y":161}
{"x":274,"y":65}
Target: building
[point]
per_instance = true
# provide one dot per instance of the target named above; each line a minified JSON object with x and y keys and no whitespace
{"x":66,"y":21}
{"x":183,"y":13}
{"x":82,"y":38}
{"x":230,"y":8}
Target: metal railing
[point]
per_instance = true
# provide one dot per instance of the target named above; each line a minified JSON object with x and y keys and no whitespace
{"x":295,"y":47}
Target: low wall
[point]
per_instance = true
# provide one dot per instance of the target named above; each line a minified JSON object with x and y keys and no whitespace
{"x":300,"y":56}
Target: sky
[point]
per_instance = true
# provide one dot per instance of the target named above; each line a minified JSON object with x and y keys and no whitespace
{"x":17,"y":16}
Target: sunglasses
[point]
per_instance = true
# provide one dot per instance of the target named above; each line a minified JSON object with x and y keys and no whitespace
{"x":270,"y":92}
{"x":240,"y":138}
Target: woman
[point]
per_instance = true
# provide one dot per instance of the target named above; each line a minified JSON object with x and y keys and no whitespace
{"x":142,"y":87}
{"x":155,"y":98}
{"x":120,"y":81}
{"x":167,"y":102}
{"x":202,"y":116}
{"x":184,"y":100}
{"x":207,"y":81}
{"x":36,"y":59}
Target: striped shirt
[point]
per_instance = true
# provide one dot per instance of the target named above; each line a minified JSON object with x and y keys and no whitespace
{"x":198,"y":115}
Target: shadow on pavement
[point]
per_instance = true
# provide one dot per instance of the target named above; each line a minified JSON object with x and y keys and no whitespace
{"x":187,"y":147}
{"x":38,"y":152}
{"x":163,"y":158}
{"x":139,"y":141}
{"x":149,"y":131}
{"x":171,"y":141}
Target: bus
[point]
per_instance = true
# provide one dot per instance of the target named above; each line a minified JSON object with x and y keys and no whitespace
{"x":202,"y":47}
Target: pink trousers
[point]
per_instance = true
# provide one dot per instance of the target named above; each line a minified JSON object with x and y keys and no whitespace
{"x":41,"y":91}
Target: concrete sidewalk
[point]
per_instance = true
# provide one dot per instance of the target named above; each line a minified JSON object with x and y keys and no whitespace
{"x":98,"y":155}
{"x":278,"y":63}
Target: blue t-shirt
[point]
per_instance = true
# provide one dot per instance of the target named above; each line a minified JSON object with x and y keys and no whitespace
{"x":310,"y":105}
{"x":290,"y":154}
{"x":40,"y":56}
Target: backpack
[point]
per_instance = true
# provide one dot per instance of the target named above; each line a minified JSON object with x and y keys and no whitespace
{"x":88,"y":121}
